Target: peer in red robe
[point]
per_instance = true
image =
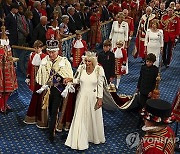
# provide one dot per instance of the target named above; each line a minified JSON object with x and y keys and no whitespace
{"x":144,"y":24}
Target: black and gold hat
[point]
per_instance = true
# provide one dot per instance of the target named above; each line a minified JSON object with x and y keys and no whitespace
{"x":158,"y":111}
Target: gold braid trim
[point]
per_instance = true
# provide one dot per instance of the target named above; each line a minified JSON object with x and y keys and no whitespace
{"x":166,"y":22}
{"x":45,"y":102}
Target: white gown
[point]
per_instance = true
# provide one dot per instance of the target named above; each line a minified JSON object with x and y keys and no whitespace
{"x":87,"y":124}
{"x":154,"y":41}
{"x":119,"y":32}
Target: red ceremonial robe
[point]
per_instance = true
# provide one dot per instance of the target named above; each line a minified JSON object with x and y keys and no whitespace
{"x":8,"y":80}
{"x":119,"y":62}
{"x":32,"y":70}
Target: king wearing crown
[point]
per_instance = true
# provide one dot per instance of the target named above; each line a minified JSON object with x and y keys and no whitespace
{"x":51,"y":74}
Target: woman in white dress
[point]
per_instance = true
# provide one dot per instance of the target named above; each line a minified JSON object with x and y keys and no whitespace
{"x":87,"y":124}
{"x":119,"y":31}
{"x":154,"y":41}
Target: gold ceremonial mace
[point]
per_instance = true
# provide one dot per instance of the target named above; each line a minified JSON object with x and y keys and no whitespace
{"x":156,"y":91}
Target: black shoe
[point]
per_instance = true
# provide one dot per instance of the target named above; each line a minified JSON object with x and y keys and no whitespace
{"x":167,"y":66}
{"x":9,"y":110}
{"x":3,"y":112}
{"x":140,"y":123}
{"x":51,"y":138}
{"x":177,"y":147}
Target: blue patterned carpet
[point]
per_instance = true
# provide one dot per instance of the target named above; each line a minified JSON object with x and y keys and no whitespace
{"x":16,"y":137}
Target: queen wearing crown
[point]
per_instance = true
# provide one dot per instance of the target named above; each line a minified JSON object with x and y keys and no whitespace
{"x":87,"y":124}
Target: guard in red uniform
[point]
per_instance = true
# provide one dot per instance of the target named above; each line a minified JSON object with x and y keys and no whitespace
{"x":130,"y":22}
{"x":144,"y":24}
{"x":171,"y":29}
{"x":142,"y":6}
{"x":134,"y":10}
{"x":8,"y":80}
{"x":176,"y":106}
{"x":176,"y":112}
{"x":114,"y":8}
{"x":159,"y":137}
{"x":79,"y":47}
{"x":126,"y":5}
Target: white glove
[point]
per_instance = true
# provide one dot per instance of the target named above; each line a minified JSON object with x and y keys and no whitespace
{"x":40,"y":91}
{"x":27,"y":81}
{"x":71,"y":89}
{"x":68,"y":88}
{"x":123,"y":68}
{"x":71,"y":58}
{"x":65,"y":92}
{"x":44,"y":87}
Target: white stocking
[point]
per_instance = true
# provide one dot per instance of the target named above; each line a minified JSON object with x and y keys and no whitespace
{"x":117,"y":82}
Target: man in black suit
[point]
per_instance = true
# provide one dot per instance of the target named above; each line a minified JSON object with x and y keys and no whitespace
{"x":29,"y":17}
{"x":147,"y":79}
{"x":62,"y":6}
{"x":167,"y":2}
{"x":11,"y":24}
{"x":146,"y":82}
{"x":50,"y":9}
{"x":86,"y":17}
{"x":72,"y":24}
{"x":6,"y":6}
{"x":1,"y":12}
{"x":39,"y":32}
{"x":36,"y":13}
{"x":77,"y":16}
{"x":106,"y":58}
{"x":105,"y":15}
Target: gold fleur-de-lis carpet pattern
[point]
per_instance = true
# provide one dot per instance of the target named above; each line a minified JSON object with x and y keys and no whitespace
{"x":17,"y":137}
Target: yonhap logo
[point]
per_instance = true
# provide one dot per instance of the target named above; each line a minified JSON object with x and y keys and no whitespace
{"x":132,"y":140}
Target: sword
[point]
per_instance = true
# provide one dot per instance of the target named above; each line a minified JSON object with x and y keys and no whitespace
{"x":3,"y":70}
